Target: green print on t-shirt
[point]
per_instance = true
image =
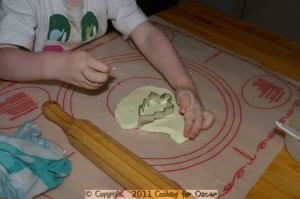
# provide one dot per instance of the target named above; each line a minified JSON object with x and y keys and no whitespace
{"x":59,"y":28}
{"x":89,"y":26}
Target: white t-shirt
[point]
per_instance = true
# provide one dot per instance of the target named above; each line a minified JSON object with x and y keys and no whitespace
{"x":52,"y":25}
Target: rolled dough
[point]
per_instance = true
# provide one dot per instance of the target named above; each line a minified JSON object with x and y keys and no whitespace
{"x":126,"y":114}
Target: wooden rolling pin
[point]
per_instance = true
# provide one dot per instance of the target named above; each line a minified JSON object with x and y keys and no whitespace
{"x":110,"y":156}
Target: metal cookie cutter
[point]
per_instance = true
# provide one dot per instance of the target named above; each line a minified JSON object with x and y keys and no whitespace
{"x":148,"y":118}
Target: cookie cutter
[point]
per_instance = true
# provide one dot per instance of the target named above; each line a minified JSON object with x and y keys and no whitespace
{"x":160,"y":99}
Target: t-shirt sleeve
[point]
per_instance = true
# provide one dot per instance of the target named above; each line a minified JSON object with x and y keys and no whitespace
{"x":125,"y":15}
{"x":17,"y":23}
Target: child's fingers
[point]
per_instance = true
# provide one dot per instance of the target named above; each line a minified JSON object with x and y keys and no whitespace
{"x":84,"y":83}
{"x":197,"y":124}
{"x":95,"y":76}
{"x":98,"y":66}
{"x":195,"y":121}
{"x":184,"y":102}
{"x":188,"y":123}
{"x":89,"y":85}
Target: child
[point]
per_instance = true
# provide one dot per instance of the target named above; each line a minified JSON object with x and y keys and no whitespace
{"x":31,"y":33}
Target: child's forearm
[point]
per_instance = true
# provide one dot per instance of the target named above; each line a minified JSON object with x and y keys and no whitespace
{"x":21,"y":65}
{"x":75,"y":67}
{"x":161,"y":53}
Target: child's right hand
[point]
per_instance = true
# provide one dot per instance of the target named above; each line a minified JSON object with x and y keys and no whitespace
{"x":81,"y":69}
{"x":196,"y":118}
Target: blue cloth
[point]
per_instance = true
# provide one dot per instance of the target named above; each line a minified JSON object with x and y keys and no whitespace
{"x":29,"y":164}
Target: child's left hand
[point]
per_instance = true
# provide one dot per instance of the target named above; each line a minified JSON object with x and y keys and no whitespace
{"x":196,"y":118}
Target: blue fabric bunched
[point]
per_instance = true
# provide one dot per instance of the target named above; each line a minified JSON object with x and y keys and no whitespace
{"x":29,"y":164}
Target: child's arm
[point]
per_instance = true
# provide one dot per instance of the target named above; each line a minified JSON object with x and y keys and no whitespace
{"x":74,"y":67}
{"x":161,"y":53}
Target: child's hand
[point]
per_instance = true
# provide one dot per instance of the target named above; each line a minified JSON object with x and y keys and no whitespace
{"x":81,"y":69}
{"x":196,"y":118}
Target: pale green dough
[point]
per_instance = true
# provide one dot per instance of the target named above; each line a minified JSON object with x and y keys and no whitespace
{"x":126,"y":114}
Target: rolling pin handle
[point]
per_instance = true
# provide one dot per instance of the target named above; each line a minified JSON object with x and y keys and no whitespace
{"x":53,"y":111}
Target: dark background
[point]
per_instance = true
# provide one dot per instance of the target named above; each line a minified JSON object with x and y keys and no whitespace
{"x":150,"y":7}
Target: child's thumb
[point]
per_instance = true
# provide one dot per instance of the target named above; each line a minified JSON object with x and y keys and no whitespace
{"x":208,"y":120}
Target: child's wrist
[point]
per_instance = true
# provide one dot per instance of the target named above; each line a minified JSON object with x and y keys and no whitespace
{"x":52,"y":62}
{"x":186,"y":85}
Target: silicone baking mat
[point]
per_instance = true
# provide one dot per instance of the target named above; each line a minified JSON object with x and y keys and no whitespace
{"x":228,"y":157}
